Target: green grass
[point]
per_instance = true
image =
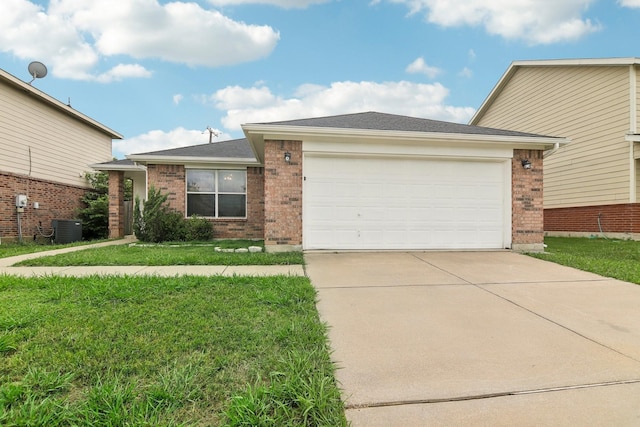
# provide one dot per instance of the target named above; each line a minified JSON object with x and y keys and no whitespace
{"x":157,"y":255}
{"x":115,"y":351}
{"x":619,"y":259}
{"x":8,"y":249}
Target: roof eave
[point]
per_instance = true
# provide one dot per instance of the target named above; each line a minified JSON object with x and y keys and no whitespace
{"x":256,"y":134}
{"x":170,"y":160}
{"x":52,"y":102}
{"x":117,"y":167}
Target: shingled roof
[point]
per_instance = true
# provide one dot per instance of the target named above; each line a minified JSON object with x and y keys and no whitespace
{"x":233,"y":148}
{"x":381,"y":121}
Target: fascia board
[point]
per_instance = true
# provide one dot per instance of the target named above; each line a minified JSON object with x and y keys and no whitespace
{"x":632,"y":137}
{"x":186,"y":160}
{"x":112,"y":167}
{"x":278,"y":132}
{"x":52,"y":102}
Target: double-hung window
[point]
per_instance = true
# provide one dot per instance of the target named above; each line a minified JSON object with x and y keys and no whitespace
{"x":217,"y":193}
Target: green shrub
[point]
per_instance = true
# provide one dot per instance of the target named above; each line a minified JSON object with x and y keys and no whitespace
{"x":198,"y":228}
{"x":95,"y":211}
{"x":154,"y":222}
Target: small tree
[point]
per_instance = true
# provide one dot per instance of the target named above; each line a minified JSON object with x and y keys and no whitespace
{"x":154,"y":222}
{"x":95,"y":213}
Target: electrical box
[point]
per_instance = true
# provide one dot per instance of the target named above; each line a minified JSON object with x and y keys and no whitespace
{"x":21,"y":201}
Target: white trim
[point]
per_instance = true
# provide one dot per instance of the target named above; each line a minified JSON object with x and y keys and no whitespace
{"x":185,"y":160}
{"x":632,"y":100}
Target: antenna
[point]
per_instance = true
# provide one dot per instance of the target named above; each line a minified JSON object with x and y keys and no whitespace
{"x":212,"y":132}
{"x":37,"y":70}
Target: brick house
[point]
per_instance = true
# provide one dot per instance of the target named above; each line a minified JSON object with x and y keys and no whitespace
{"x":367,"y":181}
{"x":47,"y":146}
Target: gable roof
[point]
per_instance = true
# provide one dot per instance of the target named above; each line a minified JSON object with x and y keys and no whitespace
{"x":231,"y":151}
{"x":15,"y":82}
{"x":377,"y":126}
{"x":516,"y":65}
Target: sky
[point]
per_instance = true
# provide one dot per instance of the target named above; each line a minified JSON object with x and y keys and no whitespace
{"x":163,"y":72}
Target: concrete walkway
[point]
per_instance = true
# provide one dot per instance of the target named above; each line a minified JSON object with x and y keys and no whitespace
{"x":166,"y":271}
{"x":479,"y":339}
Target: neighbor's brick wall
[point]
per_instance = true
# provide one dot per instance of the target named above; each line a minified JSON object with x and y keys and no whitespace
{"x":116,"y":204}
{"x":621,"y":218}
{"x":170,"y":180}
{"x":57,"y":201}
{"x":527,"y":202}
{"x":283,"y":193}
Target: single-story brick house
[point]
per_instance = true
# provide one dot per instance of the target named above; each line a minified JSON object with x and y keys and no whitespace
{"x":366,"y":181}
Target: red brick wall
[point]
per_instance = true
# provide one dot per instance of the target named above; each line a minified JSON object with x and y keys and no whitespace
{"x":283,"y":193}
{"x":116,"y":204}
{"x":527,"y":202}
{"x":170,"y":180}
{"x":57,"y":201}
{"x":622,"y":218}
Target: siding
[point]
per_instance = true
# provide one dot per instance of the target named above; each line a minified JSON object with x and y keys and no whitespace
{"x":589,"y":105}
{"x":61,"y":146}
{"x":636,"y":76}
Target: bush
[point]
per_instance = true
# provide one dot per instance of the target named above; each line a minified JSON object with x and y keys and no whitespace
{"x":156,"y":223}
{"x":198,"y":228}
{"x":95,"y":213}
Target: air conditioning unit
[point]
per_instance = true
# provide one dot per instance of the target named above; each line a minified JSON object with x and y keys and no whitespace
{"x":67,"y":230}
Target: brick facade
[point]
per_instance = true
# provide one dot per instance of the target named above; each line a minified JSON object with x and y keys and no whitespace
{"x":56,"y":201}
{"x":612,"y":219}
{"x":282,"y":195}
{"x":527,"y":224}
{"x":170,"y":180}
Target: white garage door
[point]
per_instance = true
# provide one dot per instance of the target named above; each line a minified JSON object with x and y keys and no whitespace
{"x":403,"y":203}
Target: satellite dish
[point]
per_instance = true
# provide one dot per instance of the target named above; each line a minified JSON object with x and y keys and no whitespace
{"x":37,"y":70}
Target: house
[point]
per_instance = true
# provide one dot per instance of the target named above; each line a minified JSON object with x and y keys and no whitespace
{"x":590,"y":185}
{"x":47,"y":147}
{"x":361,"y":181}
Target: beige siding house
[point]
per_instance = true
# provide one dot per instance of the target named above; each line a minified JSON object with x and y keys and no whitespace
{"x":47,"y":147}
{"x":591,"y":184}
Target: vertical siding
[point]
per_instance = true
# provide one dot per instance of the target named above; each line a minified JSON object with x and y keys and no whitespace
{"x":61,"y":146}
{"x":589,"y":105}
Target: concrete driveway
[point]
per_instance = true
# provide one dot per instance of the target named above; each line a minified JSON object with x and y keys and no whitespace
{"x":479,"y":339}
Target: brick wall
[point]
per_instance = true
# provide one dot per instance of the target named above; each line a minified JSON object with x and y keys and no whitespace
{"x":116,"y":204}
{"x":57,"y":201}
{"x":170,"y":180}
{"x":283,"y":195}
{"x":527,"y":200}
{"x":621,"y":218}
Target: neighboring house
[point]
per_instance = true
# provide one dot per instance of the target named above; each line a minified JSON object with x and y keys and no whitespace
{"x":590,"y":185}
{"x":358,"y":181}
{"x":47,"y":147}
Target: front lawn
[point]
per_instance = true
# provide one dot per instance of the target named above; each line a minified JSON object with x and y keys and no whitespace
{"x":157,"y":255}
{"x":8,"y":249}
{"x":184,"y":351}
{"x":619,"y":259}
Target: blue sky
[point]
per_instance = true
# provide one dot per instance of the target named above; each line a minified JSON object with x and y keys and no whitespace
{"x":160,"y":72}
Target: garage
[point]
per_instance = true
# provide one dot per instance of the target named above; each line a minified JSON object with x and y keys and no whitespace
{"x":375,"y":202}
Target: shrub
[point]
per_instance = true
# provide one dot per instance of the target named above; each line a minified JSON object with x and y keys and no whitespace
{"x":95,"y":213}
{"x":198,"y":228}
{"x":154,"y":222}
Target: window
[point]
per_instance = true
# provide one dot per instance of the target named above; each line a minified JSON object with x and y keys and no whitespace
{"x":217,"y":193}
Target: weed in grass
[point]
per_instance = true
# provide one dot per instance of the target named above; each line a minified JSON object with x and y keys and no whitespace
{"x":7,"y":343}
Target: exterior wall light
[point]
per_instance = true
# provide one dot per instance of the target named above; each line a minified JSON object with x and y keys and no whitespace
{"x":287,"y":157}
{"x":526,"y":164}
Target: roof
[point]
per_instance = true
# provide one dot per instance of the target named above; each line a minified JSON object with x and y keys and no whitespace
{"x":513,"y":68}
{"x":392,"y":122}
{"x":234,"y":150}
{"x":371,"y":126}
{"x":15,"y":82}
{"x":117,"y":165}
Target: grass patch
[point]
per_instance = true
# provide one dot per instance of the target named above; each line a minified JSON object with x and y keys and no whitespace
{"x":619,"y":259}
{"x":112,"y":350}
{"x":167,"y":254}
{"x":13,"y":249}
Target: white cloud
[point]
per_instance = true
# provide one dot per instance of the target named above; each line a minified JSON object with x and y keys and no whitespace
{"x":466,"y":72}
{"x":259,"y":104}
{"x":156,"y":140}
{"x":420,"y":67}
{"x":286,"y":4}
{"x":534,"y":21}
{"x":177,"y":98}
{"x":73,"y":36}
{"x":629,"y":3}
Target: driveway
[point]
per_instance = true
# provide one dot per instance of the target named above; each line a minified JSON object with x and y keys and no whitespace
{"x":489,"y":338}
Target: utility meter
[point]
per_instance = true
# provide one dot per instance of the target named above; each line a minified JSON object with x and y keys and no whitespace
{"x":21,"y":201}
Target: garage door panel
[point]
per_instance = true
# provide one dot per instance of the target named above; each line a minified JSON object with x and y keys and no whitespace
{"x":391,"y":203}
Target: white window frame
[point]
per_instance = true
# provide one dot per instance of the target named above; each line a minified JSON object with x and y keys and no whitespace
{"x":216,"y":193}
